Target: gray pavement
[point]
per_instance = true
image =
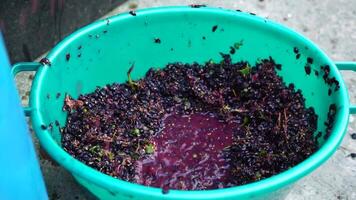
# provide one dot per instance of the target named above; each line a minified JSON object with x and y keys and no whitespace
{"x":332,"y":25}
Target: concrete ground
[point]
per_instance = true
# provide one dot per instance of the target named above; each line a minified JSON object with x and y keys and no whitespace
{"x":332,"y":25}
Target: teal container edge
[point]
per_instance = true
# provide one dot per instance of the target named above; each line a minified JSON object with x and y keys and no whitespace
{"x":101,"y":184}
{"x":20,"y":176}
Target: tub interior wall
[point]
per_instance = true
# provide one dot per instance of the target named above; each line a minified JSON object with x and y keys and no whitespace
{"x":96,"y":57}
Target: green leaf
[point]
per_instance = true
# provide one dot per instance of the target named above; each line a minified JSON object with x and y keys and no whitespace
{"x":226,"y":107}
{"x":187,"y":105}
{"x":94,"y":149}
{"x":135,"y":132}
{"x":237,"y":45}
{"x":234,"y":92}
{"x":245,"y":71}
{"x":149,"y":148}
{"x":129,"y":73}
{"x":130,"y":82}
{"x":100,"y":153}
{"x":110,"y":155}
{"x":246,"y":121}
{"x":263,"y":153}
{"x":135,"y":156}
{"x":259,"y":61}
{"x":258,"y":176}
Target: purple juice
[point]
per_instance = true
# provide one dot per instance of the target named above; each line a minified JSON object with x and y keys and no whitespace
{"x":188,"y":154}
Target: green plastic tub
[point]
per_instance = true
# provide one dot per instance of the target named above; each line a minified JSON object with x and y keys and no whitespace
{"x":102,"y":52}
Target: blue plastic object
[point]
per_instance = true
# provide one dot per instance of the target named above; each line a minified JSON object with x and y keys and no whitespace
{"x":20,"y":175}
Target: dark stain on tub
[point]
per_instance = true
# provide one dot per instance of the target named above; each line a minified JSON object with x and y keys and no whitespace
{"x":79,"y":47}
{"x":43,"y":127}
{"x":45,"y":61}
{"x":197,"y":5}
{"x":50,"y":127}
{"x":296,"y":52}
{"x":252,"y":13}
{"x":58,"y":95}
{"x":133,"y":13}
{"x":297,"y":56}
{"x":213,"y":29}
{"x":67,"y":57}
{"x":112,"y":193}
{"x":310,"y":60}
{"x":189,"y":43}
{"x":326,"y":70}
{"x":48,"y":96}
{"x":329,"y":91}
{"x":316,"y":72}
{"x":204,"y":38}
{"x":232,"y":50}
{"x":330,"y":120}
{"x":105,"y":31}
{"x":330,"y":81}
{"x":157,"y":40}
{"x":107,"y":21}
{"x":238,"y":10}
{"x":165,"y":191}
{"x":79,"y":55}
{"x":307,"y":69}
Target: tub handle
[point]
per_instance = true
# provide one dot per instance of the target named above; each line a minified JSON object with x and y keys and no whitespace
{"x":348,"y":66}
{"x":24,"y":67}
